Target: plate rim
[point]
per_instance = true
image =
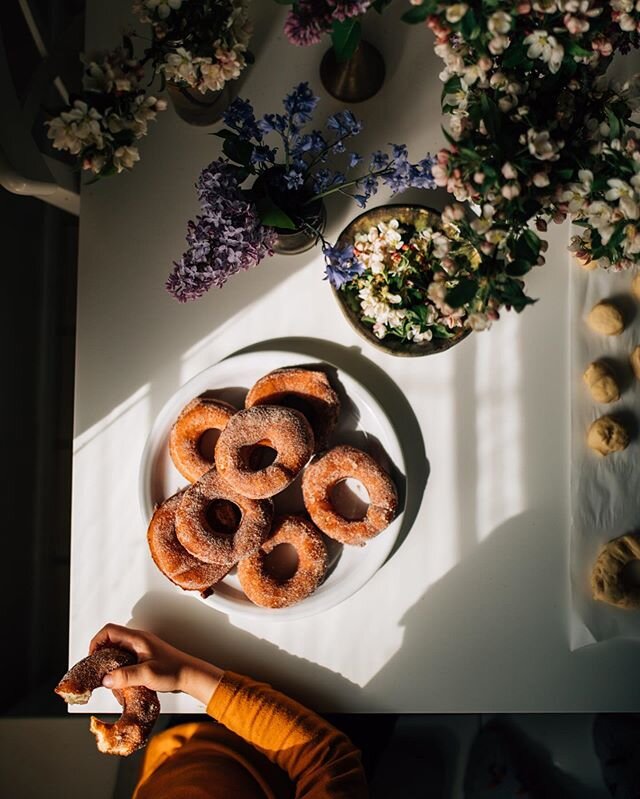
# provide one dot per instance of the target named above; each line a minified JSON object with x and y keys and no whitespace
{"x":289,"y":358}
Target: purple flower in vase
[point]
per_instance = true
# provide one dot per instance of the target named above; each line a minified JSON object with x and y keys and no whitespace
{"x":344,"y":9}
{"x":300,"y":103}
{"x":307,"y":22}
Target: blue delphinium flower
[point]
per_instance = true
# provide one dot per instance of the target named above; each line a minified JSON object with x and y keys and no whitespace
{"x":354,"y":160}
{"x":273,"y":122}
{"x":300,"y":103}
{"x":341,"y":265}
{"x":325,"y":179}
{"x":379,"y":160}
{"x":311,"y":143}
{"x":239,"y":116}
{"x":344,"y":123}
{"x":263,"y":155}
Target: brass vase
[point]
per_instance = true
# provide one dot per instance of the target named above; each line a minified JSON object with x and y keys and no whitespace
{"x":384,"y":213}
{"x":293,"y":242}
{"x":196,"y":108}
{"x":354,"y":80}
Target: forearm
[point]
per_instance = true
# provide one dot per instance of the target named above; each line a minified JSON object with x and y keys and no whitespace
{"x":199,"y":679}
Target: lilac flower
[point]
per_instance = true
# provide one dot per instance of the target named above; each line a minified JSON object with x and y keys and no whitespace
{"x":344,"y":9}
{"x":306,"y":23}
{"x":300,"y":103}
{"x":226,"y":238}
{"x":341,"y":265}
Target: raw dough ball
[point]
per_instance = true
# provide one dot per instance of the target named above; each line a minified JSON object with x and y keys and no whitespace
{"x":601,"y":382}
{"x":608,"y":581}
{"x":634,"y":360}
{"x":605,"y":318}
{"x":606,"y":435}
{"x":635,"y":286}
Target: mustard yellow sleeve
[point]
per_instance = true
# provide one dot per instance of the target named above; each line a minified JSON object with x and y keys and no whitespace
{"x":321,"y":761}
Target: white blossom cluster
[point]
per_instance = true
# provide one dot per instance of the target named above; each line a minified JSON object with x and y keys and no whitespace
{"x":102,"y":133}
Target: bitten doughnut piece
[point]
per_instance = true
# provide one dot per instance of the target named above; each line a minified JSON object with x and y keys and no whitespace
{"x":607,"y":577}
{"x":606,"y":318}
{"x":306,"y":390}
{"x":336,"y":465}
{"x":283,"y":429}
{"x":607,"y":435}
{"x":219,"y":543}
{"x":195,"y":419}
{"x":634,"y":361}
{"x":173,"y":560}
{"x":266,"y":590}
{"x":601,"y":382}
{"x":140,"y":706}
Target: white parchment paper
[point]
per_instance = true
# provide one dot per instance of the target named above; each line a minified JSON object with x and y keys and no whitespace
{"x":605,"y":491}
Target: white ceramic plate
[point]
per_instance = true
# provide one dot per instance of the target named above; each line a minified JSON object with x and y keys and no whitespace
{"x":363,"y":423}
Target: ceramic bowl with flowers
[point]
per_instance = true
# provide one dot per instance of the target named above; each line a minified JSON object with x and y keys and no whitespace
{"x":406,"y":262}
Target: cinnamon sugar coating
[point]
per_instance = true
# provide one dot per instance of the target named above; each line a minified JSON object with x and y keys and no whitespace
{"x":331,"y":468}
{"x":140,"y":706}
{"x":173,"y":560}
{"x":267,"y":591}
{"x":193,"y":422}
{"x":306,"y":390}
{"x":283,"y":429}
{"x":217,"y":546}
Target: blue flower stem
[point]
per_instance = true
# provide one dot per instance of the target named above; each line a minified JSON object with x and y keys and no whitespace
{"x":353,"y":182}
{"x":326,"y":149}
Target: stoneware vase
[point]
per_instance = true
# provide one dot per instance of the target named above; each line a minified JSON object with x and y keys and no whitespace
{"x":408,"y":214}
{"x":293,"y":242}
{"x":354,"y":80}
{"x":196,"y":108}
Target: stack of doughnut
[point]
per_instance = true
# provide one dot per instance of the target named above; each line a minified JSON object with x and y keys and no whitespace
{"x":225,"y":518}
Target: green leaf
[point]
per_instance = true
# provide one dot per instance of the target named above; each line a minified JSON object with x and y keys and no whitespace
{"x":272,"y":215}
{"x":614,"y":124}
{"x":490,"y":114}
{"x":518,"y":267}
{"x":224,"y":134}
{"x":417,"y":14}
{"x":238,"y":151}
{"x":527,"y":247}
{"x":345,"y":37}
{"x":462,"y":293}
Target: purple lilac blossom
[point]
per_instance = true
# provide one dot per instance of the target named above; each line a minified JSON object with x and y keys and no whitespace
{"x":341,"y":265}
{"x":226,"y":238}
{"x":308,"y":20}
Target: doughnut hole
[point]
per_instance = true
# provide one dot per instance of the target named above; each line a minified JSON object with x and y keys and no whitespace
{"x":207,"y":444}
{"x":630,"y":576}
{"x":350,"y":499}
{"x":282,"y":562}
{"x":258,"y":456}
{"x":223,"y":516}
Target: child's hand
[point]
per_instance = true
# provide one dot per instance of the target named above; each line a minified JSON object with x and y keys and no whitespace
{"x":160,"y":667}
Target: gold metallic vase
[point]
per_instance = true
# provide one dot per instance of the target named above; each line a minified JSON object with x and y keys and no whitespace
{"x":354,"y":80}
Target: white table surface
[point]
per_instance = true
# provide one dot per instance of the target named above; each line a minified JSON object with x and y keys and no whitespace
{"x":471,"y":612}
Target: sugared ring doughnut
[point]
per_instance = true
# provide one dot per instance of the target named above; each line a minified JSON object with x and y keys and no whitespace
{"x":607,"y":578}
{"x":333,"y":467}
{"x":220,"y":544}
{"x":283,"y":429}
{"x":172,"y":558}
{"x":306,"y":390}
{"x":140,"y":706}
{"x":266,"y":590}
{"x":195,"y":419}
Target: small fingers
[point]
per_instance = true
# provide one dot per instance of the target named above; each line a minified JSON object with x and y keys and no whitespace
{"x":133,"y":640}
{"x":128,"y":676}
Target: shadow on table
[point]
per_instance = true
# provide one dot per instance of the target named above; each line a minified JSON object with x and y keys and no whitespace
{"x":392,"y":399}
{"x":181,"y":620}
{"x":510,"y":581}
